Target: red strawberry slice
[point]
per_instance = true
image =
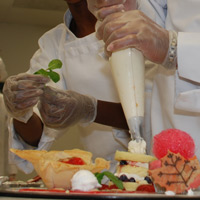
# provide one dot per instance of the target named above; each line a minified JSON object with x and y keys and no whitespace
{"x":74,"y":161}
{"x":195,"y":183}
{"x":155,"y":164}
{"x":146,"y":188}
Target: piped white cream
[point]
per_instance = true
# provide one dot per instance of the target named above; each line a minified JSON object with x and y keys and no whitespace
{"x":137,"y":147}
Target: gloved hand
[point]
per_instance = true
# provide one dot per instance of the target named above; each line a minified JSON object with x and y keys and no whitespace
{"x":100,"y":9}
{"x":60,"y":109}
{"x":134,"y":29}
{"x":21,"y":92}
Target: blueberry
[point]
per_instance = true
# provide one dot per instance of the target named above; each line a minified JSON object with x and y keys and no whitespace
{"x":148,"y":179}
{"x":123,"y":162}
{"x":124,"y":178}
{"x":132,"y":179}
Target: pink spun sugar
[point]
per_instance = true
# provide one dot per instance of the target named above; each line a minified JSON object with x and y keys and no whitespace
{"x":176,"y":141}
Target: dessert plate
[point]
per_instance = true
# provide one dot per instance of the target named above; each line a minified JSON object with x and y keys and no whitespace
{"x":14,"y":192}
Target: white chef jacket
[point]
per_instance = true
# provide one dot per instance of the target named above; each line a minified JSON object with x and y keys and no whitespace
{"x":5,"y":168}
{"x":176,"y":94}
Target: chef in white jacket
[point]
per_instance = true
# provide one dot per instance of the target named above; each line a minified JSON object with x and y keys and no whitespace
{"x":176,"y":46}
{"x":6,"y":169}
{"x":179,"y":105}
{"x":84,"y":71}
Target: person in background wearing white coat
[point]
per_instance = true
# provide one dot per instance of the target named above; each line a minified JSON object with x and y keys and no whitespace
{"x":6,"y":169}
{"x":85,"y":77}
{"x":174,"y":44}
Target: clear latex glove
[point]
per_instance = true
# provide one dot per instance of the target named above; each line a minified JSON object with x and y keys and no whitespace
{"x":101,"y":8}
{"x":21,"y":92}
{"x":134,"y":29}
{"x":61,"y":109}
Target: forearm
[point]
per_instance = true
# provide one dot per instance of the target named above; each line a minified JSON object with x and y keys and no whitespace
{"x":31,"y":131}
{"x":108,"y":113}
{"x":111,"y":114}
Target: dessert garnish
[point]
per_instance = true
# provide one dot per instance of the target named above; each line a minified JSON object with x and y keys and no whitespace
{"x":178,"y":169}
{"x":54,"y":76}
{"x":116,"y":181}
{"x":176,"y":174}
{"x":174,"y":140}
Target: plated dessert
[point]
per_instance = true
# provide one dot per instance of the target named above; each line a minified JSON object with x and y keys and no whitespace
{"x":174,"y":169}
{"x":73,"y":170}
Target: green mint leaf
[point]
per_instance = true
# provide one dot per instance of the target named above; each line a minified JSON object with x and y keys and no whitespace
{"x":112,"y":177}
{"x":42,"y":72}
{"x":99,"y":177}
{"x":54,"y":76}
{"x":55,"y":64}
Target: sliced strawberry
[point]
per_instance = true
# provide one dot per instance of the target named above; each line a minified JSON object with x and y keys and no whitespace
{"x":195,"y":183}
{"x":74,"y":161}
{"x":146,"y":188}
{"x":108,"y":187}
{"x":155,"y":164}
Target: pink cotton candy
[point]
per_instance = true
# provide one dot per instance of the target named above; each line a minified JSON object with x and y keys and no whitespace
{"x":176,"y":141}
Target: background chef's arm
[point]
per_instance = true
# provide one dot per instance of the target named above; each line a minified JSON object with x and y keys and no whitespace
{"x":111,"y":114}
{"x":108,"y":113}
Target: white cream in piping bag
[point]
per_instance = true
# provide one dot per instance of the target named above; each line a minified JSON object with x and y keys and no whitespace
{"x":128,"y":72}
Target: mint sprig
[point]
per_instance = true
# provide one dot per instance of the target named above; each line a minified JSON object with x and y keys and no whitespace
{"x":112,"y":178}
{"x":54,"y":76}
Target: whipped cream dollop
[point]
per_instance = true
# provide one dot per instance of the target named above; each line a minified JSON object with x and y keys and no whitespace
{"x":190,"y":192}
{"x":137,"y":146}
{"x":84,"y":180}
{"x":170,"y":193}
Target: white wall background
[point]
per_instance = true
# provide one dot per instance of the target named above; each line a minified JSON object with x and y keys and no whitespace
{"x":20,"y":29}
{"x":17,"y":44}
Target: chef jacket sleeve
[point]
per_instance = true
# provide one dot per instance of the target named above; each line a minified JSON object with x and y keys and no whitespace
{"x":16,"y":142}
{"x":188,"y":73}
{"x":154,"y":9}
{"x":188,"y":52}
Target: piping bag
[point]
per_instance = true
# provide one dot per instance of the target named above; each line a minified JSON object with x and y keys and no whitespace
{"x":127,"y":68}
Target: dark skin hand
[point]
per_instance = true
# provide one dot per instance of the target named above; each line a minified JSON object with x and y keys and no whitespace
{"x":108,"y":113}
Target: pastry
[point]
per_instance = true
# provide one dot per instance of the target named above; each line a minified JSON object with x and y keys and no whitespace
{"x":56,"y":168}
{"x":132,"y":169}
